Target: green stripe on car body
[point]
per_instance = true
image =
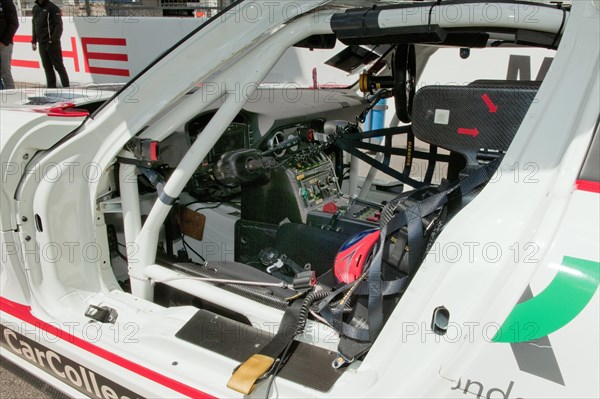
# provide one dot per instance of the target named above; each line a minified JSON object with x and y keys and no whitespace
{"x":556,"y":306}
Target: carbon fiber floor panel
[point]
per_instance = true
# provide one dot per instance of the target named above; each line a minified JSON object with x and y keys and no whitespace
{"x":307,"y":365}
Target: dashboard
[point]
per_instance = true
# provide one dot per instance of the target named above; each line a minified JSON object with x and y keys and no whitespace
{"x":301,"y":183}
{"x":240,"y":135}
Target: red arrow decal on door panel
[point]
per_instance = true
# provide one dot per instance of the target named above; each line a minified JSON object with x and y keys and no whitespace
{"x":490,"y":104}
{"x":469,"y":132}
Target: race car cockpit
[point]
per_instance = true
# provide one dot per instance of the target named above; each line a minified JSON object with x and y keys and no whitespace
{"x":297,"y":229}
{"x":305,"y":242}
{"x":336,"y":194}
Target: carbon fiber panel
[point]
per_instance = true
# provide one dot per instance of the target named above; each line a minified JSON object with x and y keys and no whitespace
{"x":308,"y":365}
{"x":466,"y":119}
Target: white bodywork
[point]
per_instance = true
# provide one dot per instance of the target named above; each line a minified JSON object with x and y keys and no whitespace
{"x":513,"y":236}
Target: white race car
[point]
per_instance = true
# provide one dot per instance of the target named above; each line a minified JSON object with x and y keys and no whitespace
{"x":205,"y":234}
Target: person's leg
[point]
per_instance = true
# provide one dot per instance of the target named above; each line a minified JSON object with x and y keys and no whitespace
{"x":47,"y":64}
{"x":55,"y":53}
{"x":5,"y":72}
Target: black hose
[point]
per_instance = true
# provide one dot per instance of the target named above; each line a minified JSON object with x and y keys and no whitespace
{"x":308,"y":301}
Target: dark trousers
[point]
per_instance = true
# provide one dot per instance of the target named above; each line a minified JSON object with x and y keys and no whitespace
{"x":51,"y":55}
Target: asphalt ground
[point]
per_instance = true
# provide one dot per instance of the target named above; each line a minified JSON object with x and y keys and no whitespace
{"x":18,"y":384}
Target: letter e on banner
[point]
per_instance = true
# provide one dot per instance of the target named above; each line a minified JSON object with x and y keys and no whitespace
{"x":92,"y":55}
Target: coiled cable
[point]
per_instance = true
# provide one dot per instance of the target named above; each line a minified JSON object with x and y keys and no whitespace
{"x":308,"y":301}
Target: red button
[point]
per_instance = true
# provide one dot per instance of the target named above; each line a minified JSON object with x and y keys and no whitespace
{"x":330,"y":207}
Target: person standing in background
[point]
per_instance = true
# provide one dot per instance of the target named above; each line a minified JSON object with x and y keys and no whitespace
{"x":47,"y":30}
{"x":9,"y":22}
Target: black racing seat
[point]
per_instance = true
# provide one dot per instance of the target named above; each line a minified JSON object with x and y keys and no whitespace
{"x":469,"y":120}
{"x":485,"y":115}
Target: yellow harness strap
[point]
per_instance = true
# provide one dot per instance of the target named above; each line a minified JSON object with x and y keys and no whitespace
{"x":244,"y":378}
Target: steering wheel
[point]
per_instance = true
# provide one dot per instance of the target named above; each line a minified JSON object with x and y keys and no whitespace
{"x":405,"y":81}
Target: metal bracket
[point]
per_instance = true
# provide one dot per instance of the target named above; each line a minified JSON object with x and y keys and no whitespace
{"x":277,"y":265}
{"x":102,"y":314}
{"x":111,"y":206}
{"x":340,"y":361}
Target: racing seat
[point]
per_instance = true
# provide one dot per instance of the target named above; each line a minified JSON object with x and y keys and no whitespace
{"x":478,"y":122}
{"x":467,"y":120}
{"x":471,"y":120}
